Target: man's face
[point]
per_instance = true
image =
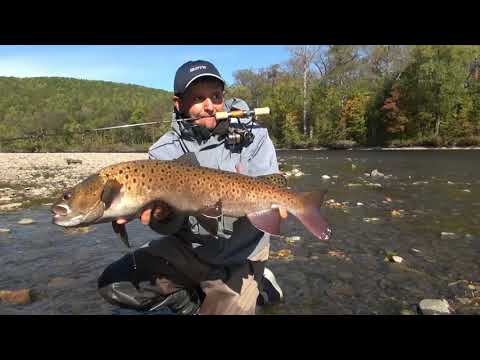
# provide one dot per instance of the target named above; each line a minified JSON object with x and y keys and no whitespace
{"x":201,"y":99}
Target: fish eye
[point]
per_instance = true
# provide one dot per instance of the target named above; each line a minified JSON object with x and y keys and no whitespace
{"x":67,"y":195}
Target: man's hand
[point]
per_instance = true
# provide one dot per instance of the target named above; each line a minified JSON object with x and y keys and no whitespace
{"x":159,"y":210}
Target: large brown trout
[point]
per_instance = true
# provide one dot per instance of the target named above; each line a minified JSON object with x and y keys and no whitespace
{"x":125,"y":189}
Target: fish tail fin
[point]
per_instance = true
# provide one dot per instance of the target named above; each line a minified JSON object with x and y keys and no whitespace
{"x":310,"y":215}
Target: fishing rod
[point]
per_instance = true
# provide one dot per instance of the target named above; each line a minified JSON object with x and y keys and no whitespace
{"x":223,"y":115}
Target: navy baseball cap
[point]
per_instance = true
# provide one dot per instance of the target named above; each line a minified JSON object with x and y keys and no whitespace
{"x":191,"y":71}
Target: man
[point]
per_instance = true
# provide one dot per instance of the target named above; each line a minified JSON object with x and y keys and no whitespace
{"x":226,"y":270}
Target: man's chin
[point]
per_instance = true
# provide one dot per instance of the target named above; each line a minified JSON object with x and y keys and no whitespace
{"x":209,"y":123}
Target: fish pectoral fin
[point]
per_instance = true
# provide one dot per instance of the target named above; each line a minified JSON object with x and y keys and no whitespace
{"x":208,"y":223}
{"x":110,"y":191}
{"x":213,"y":211}
{"x":274,"y":179}
{"x":188,"y":159}
{"x":121,"y":231}
{"x":267,"y":221}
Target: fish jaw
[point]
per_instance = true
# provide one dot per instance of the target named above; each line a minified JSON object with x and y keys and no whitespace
{"x":65,"y":217}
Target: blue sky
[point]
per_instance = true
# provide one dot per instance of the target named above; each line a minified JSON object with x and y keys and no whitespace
{"x":147,"y":65}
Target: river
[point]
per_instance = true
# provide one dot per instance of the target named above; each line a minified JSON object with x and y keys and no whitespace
{"x":403,"y":212}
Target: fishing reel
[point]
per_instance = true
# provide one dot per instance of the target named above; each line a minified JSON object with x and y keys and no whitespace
{"x":239,"y":137}
{"x":236,"y":135}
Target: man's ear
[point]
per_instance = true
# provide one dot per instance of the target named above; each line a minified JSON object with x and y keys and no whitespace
{"x":177,"y":103}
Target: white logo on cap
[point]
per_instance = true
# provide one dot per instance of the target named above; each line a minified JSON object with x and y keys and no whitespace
{"x":203,"y":67}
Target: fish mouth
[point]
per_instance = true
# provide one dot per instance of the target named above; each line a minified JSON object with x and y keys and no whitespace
{"x":68,"y":221}
{"x":64,"y":216}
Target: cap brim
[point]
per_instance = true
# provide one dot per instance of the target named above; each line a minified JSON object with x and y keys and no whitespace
{"x":202,"y":75}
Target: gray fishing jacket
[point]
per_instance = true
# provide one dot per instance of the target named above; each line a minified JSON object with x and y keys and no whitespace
{"x":236,"y":240}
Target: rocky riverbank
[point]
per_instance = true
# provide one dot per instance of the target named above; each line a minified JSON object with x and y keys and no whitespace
{"x":28,"y":178}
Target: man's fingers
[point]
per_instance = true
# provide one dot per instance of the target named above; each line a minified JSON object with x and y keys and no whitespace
{"x":145,"y":217}
{"x":283,"y":212}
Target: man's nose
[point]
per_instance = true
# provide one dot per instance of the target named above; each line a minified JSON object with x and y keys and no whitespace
{"x":208,"y":104}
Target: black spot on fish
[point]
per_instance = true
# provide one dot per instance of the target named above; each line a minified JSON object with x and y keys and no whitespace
{"x":126,"y":176}
{"x":121,"y":171}
{"x":129,"y":188}
{"x":150,"y":180}
{"x":134,"y":181}
{"x":143,"y":175}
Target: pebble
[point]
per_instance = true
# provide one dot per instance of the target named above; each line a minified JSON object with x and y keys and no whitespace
{"x":445,"y":235}
{"x":59,"y":282}
{"x":293,"y":238}
{"x":351,"y":185}
{"x":466,"y":190}
{"x":359,"y":204}
{"x":397,"y":259}
{"x":26,"y":221}
{"x":374,"y":184}
{"x":376,"y":173}
{"x":16,"y":297}
{"x":296,"y":172}
{"x":326,"y":177}
{"x":434,"y":307}
{"x":4,"y":230}
{"x":420,"y":182}
{"x":368,"y":220}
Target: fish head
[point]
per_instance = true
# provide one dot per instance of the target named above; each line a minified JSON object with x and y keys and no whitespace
{"x":86,"y":202}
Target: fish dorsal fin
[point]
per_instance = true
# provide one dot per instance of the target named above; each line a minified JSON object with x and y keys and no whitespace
{"x":111,"y":190}
{"x":188,"y":159}
{"x":274,"y":179}
{"x":267,"y":221}
{"x":121,"y":231}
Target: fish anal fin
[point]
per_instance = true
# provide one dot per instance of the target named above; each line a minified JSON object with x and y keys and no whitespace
{"x":267,"y":221}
